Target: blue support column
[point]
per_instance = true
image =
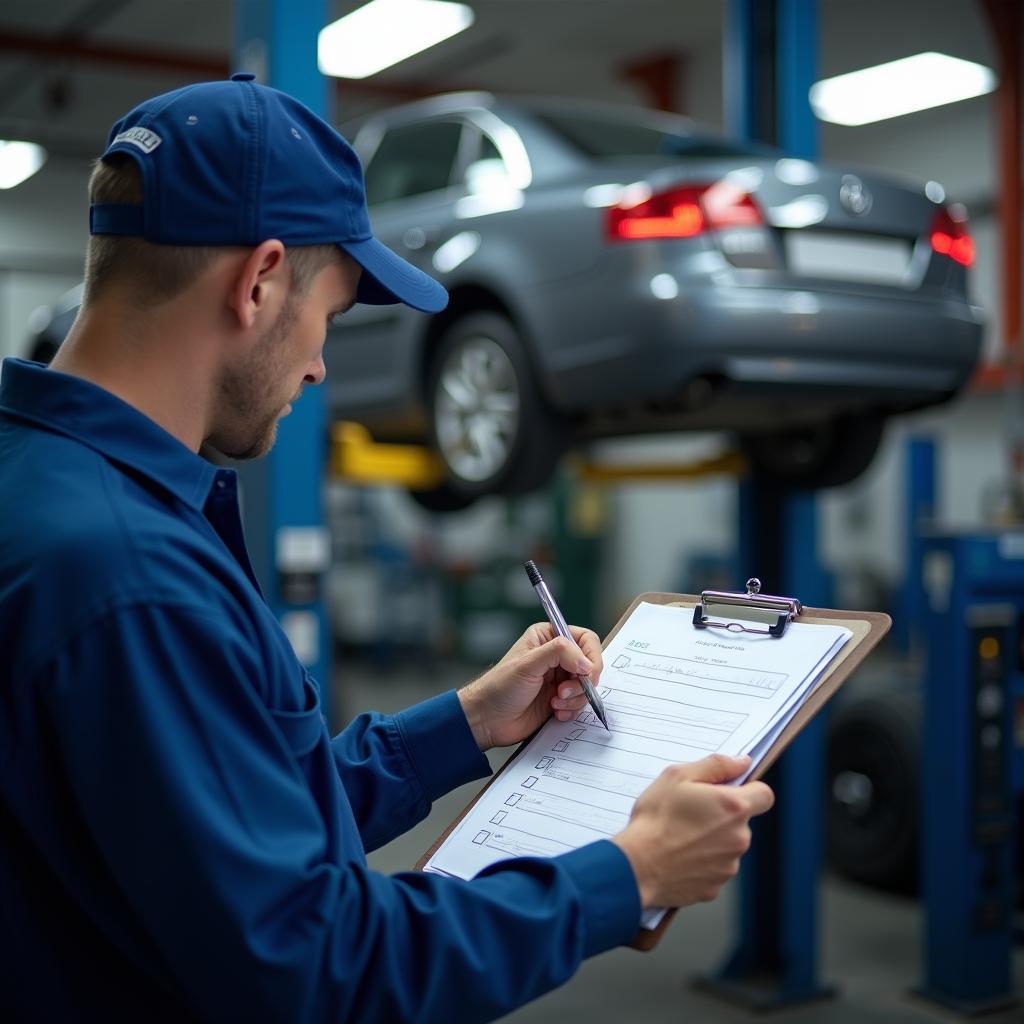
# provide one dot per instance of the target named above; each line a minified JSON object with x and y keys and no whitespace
{"x":282,"y":499}
{"x":920,"y":495}
{"x":796,"y":63}
{"x":770,"y":57}
{"x":774,"y":962}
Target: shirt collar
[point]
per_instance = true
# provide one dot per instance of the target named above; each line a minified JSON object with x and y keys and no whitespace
{"x":102,"y":421}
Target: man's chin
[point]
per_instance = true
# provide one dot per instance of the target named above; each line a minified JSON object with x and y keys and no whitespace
{"x":254,"y":450}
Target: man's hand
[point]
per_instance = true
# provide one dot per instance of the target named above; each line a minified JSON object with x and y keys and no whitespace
{"x":686,"y":834}
{"x":538,"y":676}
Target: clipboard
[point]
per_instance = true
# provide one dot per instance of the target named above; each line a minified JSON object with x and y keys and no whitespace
{"x":711,"y":609}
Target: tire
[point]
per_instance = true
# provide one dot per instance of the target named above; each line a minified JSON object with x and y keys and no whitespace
{"x":442,"y":499}
{"x":822,"y":455}
{"x":873,"y":791}
{"x":488,"y":420}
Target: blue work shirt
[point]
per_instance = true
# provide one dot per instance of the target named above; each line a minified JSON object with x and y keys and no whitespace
{"x":180,"y":837}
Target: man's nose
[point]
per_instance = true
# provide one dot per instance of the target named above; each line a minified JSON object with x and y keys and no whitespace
{"x":317,"y":372}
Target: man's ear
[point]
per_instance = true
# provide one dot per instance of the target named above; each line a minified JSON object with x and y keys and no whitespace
{"x":260,"y":283}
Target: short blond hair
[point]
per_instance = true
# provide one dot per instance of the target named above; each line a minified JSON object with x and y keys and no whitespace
{"x":156,"y":273}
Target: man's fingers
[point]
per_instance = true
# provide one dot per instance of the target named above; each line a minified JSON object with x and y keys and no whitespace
{"x":556,"y":653}
{"x":716,"y":768}
{"x":573,"y":705}
{"x":590,"y":644}
{"x":759,"y":796}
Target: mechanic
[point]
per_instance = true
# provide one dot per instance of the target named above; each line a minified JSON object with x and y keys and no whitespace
{"x":180,"y":838}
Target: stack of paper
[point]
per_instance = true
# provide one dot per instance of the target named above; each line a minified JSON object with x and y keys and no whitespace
{"x":673,"y":694}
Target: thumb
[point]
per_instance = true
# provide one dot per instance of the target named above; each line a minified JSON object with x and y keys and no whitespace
{"x":556,"y":653}
{"x":717,"y":768}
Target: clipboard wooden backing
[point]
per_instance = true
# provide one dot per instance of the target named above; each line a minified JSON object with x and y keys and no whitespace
{"x":868,"y":629}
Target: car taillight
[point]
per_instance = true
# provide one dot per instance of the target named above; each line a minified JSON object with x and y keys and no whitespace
{"x":685,"y":212}
{"x":949,"y":235}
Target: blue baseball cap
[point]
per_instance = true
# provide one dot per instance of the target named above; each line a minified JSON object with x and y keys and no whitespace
{"x":236,"y":163}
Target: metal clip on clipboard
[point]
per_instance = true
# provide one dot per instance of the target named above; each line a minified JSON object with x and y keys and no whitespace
{"x":785,"y":607}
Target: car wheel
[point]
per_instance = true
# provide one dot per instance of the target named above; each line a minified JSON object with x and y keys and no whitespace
{"x":489,"y":422}
{"x":873,"y":795}
{"x":822,"y":455}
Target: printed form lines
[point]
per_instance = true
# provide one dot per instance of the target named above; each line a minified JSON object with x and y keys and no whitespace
{"x":644,"y":753}
{"x":670,"y":668}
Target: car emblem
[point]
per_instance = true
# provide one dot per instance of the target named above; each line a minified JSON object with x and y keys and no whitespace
{"x":854,"y":195}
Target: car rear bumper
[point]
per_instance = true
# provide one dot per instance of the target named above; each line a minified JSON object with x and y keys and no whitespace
{"x":714,"y":354}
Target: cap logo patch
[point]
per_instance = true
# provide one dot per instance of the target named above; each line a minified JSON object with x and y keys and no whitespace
{"x":146,"y":140}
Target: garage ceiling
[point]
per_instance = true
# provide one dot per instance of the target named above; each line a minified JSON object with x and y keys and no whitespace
{"x":69,"y":68}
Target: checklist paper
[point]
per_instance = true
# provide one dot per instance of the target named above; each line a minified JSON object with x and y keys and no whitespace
{"x":672,"y":693}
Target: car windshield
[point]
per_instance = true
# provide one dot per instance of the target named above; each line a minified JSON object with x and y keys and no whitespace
{"x":606,"y":139}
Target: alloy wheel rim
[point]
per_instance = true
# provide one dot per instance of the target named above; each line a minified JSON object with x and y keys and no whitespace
{"x":477,"y":409}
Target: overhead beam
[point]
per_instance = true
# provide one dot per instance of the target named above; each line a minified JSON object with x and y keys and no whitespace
{"x":186,"y":64}
{"x":145,"y":58}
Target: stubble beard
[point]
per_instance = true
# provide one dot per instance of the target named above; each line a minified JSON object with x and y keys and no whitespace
{"x":250,"y":392}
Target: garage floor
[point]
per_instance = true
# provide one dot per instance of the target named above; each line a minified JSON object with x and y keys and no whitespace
{"x":870,"y":942}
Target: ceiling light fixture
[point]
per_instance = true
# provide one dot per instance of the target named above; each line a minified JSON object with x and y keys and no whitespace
{"x":899,"y":87}
{"x":385,"y":32}
{"x":18,"y":161}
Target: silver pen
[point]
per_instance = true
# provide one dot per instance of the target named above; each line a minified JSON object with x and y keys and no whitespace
{"x":561,"y":627}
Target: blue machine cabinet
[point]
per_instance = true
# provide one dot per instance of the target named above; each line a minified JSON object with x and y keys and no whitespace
{"x":974,"y":766}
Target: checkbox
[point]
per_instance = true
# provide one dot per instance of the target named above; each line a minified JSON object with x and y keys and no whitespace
{"x":544,"y":762}
{"x":529,"y":782}
{"x":514,"y":799}
{"x":499,"y":817}
{"x":481,"y":837}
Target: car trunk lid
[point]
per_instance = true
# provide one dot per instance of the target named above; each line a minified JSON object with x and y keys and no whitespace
{"x":822,"y":224}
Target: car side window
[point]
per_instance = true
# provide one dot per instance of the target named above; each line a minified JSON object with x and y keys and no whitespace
{"x":488,"y":169}
{"x":412,"y":160}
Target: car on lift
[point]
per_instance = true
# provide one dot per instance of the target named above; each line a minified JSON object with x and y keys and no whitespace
{"x":614,"y":271}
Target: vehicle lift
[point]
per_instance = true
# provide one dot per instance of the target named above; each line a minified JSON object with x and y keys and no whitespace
{"x":774,"y":963}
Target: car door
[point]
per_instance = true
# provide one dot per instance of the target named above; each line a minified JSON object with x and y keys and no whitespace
{"x":413,"y":179}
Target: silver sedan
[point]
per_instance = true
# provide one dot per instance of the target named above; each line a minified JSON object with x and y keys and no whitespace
{"x":613,"y":271}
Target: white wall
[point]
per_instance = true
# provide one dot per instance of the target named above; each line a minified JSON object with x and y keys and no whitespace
{"x":43,"y":232}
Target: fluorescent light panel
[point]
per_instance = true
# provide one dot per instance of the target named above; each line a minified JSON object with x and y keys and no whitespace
{"x":385,"y":32}
{"x":899,"y":87}
{"x":18,"y":161}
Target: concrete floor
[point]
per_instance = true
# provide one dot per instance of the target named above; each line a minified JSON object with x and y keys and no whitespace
{"x":870,"y":942}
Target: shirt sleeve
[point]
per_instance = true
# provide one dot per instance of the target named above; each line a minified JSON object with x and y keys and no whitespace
{"x":390,"y":768}
{"x":216,"y":842}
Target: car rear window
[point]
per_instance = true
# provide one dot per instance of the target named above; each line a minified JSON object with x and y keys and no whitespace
{"x":412,"y":160}
{"x":602,"y":138}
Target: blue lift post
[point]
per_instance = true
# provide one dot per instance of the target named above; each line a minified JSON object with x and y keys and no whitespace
{"x":282,"y":494}
{"x":770,"y":58}
{"x":973,"y":691}
{"x":920,"y":467}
